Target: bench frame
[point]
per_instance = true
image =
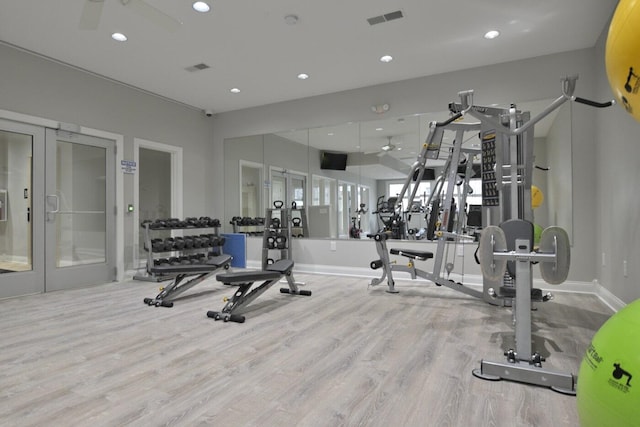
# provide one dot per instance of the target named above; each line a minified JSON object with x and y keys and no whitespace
{"x":246,"y":292}
{"x":388,"y":267}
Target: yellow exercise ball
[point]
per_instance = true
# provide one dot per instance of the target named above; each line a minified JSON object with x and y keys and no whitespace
{"x":537,"y":197}
{"x":622,"y":56}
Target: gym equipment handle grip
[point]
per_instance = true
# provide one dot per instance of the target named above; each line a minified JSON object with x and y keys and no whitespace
{"x":594,"y":103}
{"x":449,"y":120}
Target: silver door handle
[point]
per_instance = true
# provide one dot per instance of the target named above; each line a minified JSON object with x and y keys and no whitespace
{"x":57,"y":209}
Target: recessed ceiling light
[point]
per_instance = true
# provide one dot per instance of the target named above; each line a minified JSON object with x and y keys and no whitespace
{"x":330,"y":134}
{"x":303,"y":76}
{"x":119,"y":37}
{"x":235,"y":90}
{"x":379,"y":129}
{"x":491,"y":34}
{"x":386,"y":58}
{"x":201,"y":6}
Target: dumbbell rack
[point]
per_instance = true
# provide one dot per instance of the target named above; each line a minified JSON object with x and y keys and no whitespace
{"x":248,"y":226}
{"x":202,"y":246}
{"x":276,"y":241}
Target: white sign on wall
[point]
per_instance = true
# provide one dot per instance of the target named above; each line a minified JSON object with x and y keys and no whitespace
{"x":128,"y":166}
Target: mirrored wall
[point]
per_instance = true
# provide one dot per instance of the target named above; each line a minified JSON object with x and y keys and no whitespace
{"x":340,"y":175}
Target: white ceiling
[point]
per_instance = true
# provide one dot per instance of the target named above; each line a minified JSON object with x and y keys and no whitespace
{"x":249,"y":45}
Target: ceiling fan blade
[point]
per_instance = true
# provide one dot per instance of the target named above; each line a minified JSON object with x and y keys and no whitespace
{"x":91,"y":13}
{"x":153,"y":14}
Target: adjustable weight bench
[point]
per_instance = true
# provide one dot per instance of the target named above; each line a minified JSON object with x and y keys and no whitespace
{"x":201,"y":271}
{"x":245,"y":294}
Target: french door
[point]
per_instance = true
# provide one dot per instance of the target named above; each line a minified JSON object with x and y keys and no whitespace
{"x":288,"y":187}
{"x":57,"y":228}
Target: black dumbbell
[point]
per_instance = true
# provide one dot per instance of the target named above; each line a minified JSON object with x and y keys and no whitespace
{"x":158,"y":224}
{"x":178,"y":243}
{"x":168,"y":243}
{"x":271,"y":242}
{"x":157,"y":245}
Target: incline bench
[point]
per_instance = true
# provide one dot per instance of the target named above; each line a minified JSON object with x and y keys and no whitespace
{"x":245,"y":279}
{"x":202,"y":271}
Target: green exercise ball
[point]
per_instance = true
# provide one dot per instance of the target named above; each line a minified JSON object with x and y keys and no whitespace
{"x":537,"y":233}
{"x":608,"y":392}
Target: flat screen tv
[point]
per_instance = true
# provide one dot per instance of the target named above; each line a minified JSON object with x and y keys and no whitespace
{"x":429,"y":174}
{"x":333,"y":161}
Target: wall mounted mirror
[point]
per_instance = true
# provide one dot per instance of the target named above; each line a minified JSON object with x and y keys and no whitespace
{"x":340,"y":173}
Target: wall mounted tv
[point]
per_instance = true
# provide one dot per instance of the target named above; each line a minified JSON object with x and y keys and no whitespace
{"x":333,"y":161}
{"x":428,"y":175}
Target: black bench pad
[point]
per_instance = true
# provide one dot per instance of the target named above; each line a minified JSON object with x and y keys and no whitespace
{"x":273,"y":271}
{"x":410,"y":253}
{"x":212,"y":264}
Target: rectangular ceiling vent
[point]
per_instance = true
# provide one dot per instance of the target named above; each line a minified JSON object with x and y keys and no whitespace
{"x":385,"y":18}
{"x":197,"y":67}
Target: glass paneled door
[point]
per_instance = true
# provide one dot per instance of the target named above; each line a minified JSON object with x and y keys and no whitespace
{"x":21,"y":209}
{"x":288,"y":187}
{"x":79,"y":210}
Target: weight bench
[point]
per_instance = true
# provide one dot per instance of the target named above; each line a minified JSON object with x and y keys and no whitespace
{"x":245,"y":294}
{"x":202,"y":272}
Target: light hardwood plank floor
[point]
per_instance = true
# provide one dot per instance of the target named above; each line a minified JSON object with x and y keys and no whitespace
{"x":348,"y":355}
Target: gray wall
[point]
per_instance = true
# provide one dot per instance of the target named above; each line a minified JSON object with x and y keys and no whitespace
{"x":605,"y":153}
{"x":35,"y":86}
{"x":616,"y":202}
{"x":517,"y":81}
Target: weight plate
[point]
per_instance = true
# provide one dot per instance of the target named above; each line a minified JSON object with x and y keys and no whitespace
{"x":555,"y":240}
{"x":492,"y":239}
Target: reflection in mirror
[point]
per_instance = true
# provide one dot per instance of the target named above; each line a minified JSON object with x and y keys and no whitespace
{"x":379,"y":156}
{"x":251,"y":179}
{"x":244,"y":177}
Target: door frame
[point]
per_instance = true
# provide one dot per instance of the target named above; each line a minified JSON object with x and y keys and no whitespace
{"x":74,"y":276}
{"x":176,"y":188}
{"x":119,"y":140}
{"x":287,"y":174}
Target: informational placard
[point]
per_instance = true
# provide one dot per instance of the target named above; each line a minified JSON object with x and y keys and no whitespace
{"x":128,"y":166}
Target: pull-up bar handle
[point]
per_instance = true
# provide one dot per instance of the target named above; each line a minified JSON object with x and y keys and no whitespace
{"x":594,"y":103}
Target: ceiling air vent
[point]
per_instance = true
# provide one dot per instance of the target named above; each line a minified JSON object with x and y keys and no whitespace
{"x":197,"y":67}
{"x":385,"y":18}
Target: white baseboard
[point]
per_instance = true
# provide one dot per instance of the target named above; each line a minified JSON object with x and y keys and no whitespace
{"x":605,"y":295}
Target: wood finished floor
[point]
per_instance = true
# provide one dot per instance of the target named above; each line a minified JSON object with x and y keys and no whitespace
{"x":348,"y":355}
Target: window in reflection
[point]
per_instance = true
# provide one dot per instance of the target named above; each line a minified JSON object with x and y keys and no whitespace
{"x":251,"y":185}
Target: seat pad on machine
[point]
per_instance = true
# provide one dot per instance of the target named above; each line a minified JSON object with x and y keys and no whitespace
{"x":409,"y":253}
